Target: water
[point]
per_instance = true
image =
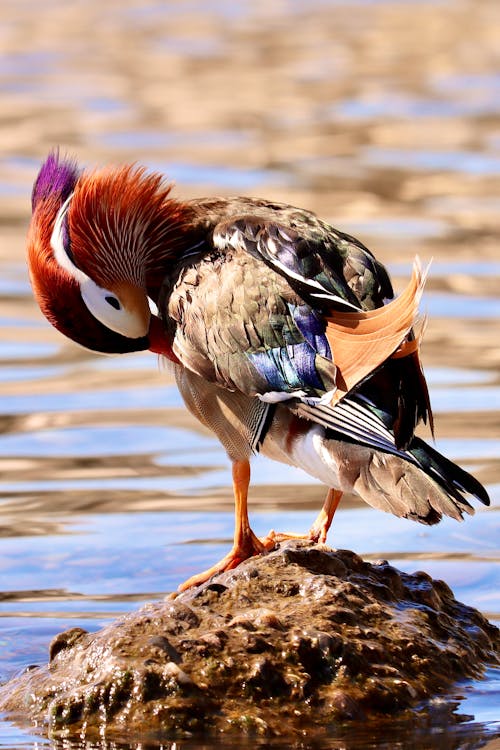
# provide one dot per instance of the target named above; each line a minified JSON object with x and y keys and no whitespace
{"x":110,"y":495}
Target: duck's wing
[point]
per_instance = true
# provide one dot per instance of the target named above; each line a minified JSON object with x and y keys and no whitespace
{"x":275,"y":311}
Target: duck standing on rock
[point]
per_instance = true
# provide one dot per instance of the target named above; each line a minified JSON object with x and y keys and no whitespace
{"x":284,"y":334}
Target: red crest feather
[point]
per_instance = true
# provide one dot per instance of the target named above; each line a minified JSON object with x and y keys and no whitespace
{"x":122,"y":223}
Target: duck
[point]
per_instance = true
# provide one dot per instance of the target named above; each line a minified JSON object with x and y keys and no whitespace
{"x":284,"y":335}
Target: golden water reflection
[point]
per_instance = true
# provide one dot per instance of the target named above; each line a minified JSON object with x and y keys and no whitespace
{"x":382,"y":116}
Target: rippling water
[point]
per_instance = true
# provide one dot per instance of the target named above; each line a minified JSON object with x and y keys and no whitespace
{"x":382,"y":116}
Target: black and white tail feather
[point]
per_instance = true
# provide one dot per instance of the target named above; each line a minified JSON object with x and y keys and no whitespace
{"x":415,"y":482}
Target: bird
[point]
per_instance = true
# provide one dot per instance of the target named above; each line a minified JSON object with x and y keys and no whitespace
{"x":284,"y":335}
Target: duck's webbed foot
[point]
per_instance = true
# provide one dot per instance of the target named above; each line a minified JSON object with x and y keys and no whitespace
{"x":319,"y":530}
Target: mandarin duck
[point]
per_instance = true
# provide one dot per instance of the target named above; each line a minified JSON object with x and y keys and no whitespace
{"x":284,"y":334}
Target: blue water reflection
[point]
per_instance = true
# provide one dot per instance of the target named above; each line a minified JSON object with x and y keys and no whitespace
{"x":465,"y":162}
{"x":109,"y":495}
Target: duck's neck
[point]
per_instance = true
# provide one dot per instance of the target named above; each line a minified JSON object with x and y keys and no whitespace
{"x":185,"y":234}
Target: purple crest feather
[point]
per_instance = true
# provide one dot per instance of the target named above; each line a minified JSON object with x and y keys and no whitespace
{"x":57,"y":176}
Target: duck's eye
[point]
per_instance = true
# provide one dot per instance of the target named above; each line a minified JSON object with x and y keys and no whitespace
{"x":127,"y":314}
{"x":113,"y":301}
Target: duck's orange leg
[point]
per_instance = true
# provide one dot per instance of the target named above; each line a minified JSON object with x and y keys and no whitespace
{"x":320,"y":527}
{"x":319,"y":530}
{"x":245,"y":542}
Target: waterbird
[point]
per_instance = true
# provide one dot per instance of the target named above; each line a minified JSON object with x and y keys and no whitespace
{"x":284,"y":334}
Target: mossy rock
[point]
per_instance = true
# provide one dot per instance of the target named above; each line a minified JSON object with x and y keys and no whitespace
{"x":303,"y":637}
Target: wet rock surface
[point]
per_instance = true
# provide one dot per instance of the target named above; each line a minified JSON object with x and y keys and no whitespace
{"x":300,"y":638}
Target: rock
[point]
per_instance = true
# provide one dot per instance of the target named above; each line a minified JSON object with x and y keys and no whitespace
{"x":302,"y":637}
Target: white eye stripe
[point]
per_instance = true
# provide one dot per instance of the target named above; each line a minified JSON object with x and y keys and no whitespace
{"x":57,"y":245}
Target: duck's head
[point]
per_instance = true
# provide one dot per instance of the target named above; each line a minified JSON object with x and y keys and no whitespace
{"x":94,"y":242}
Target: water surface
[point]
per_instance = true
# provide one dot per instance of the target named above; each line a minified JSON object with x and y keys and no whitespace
{"x":383,"y":117}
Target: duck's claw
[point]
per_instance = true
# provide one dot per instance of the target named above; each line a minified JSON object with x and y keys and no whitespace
{"x":248,"y":546}
{"x":319,"y":530}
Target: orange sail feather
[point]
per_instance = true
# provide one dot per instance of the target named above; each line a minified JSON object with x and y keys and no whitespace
{"x":361,"y":341}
